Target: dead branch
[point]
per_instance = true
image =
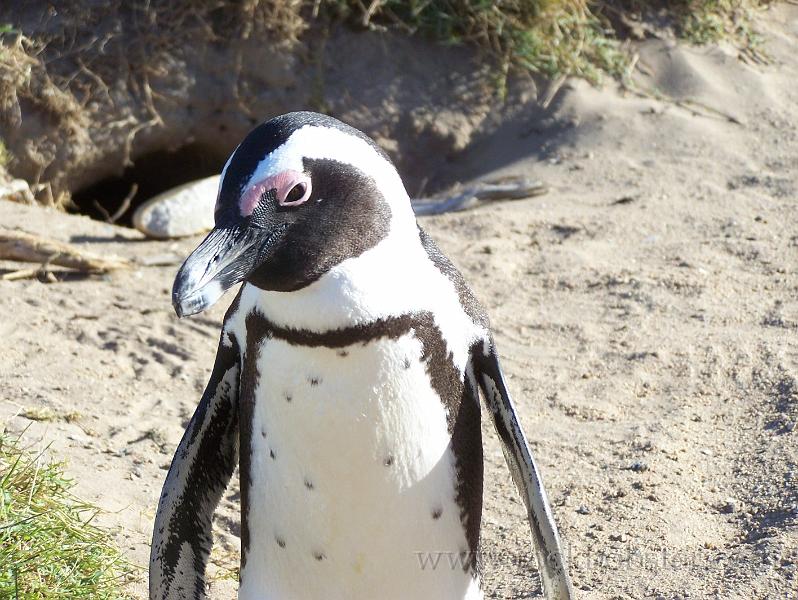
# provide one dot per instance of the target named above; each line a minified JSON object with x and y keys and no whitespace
{"x":20,"y":274}
{"x":509,"y":189}
{"x":24,"y":247}
{"x":113,"y":218}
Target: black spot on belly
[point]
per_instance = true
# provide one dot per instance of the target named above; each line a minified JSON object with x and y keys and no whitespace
{"x":319,"y":556}
{"x":263,"y":432}
{"x":272,"y":454}
{"x":343,"y":353}
{"x":308,"y":484}
{"x":280,"y":541}
{"x":388,"y":461}
{"x":288,"y":398}
{"x":407,"y":363}
{"x":437,"y":512}
{"x":314,"y":381}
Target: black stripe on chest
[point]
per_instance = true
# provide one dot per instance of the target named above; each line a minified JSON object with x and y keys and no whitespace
{"x":457,"y":395}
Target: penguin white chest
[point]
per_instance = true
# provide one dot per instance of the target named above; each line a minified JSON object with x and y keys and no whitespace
{"x":352,"y":478}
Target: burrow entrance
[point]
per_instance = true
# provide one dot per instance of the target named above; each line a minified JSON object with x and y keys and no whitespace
{"x":114,"y":199}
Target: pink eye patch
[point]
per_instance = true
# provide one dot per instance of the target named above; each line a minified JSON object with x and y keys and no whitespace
{"x":293,"y":188}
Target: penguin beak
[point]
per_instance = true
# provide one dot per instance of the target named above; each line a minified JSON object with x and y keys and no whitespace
{"x":223,"y":259}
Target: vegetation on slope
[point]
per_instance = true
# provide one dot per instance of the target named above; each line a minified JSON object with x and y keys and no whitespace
{"x":49,"y":547}
{"x":558,"y":37}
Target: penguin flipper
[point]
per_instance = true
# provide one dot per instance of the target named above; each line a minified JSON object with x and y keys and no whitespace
{"x":200,"y":471}
{"x":551,"y":562}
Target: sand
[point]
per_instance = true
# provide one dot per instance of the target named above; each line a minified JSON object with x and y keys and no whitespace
{"x":646,"y":310}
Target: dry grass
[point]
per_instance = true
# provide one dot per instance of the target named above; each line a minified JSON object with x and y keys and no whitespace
{"x":5,"y":155}
{"x":556,"y":37}
{"x":550,"y":37}
{"x":24,"y":75}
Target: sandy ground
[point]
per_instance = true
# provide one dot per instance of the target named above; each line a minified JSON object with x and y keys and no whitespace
{"x":645,"y":309}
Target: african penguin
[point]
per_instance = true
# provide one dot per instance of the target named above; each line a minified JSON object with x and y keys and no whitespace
{"x":345,"y":387}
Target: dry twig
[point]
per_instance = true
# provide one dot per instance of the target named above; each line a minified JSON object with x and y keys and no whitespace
{"x":24,"y":247}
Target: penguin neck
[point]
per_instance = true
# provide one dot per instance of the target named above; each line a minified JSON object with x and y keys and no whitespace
{"x":385,"y":280}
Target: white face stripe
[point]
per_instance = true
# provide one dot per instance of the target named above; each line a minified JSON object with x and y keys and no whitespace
{"x":315,"y":142}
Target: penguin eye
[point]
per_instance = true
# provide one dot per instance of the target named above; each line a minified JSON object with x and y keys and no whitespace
{"x":296,"y":193}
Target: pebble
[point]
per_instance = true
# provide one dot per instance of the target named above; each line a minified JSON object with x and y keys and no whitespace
{"x":730,"y":505}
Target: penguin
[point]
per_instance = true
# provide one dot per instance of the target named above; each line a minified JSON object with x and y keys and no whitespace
{"x":345,"y":388}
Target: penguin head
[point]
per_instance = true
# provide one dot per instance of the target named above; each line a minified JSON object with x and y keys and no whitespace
{"x":301,"y":194}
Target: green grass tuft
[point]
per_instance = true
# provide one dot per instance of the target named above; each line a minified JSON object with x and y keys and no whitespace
{"x":49,"y":547}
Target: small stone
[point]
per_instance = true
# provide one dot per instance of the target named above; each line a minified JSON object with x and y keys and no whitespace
{"x":730,"y":506}
{"x":639,"y":466}
{"x":583,"y":510}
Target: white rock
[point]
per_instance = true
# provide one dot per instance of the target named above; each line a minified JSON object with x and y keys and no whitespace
{"x":16,"y":190}
{"x":181,"y":211}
